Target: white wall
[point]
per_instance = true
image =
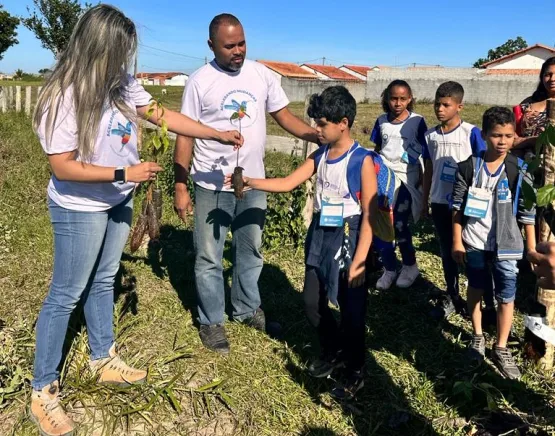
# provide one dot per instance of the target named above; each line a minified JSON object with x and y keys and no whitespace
{"x":479,"y":87}
{"x":353,"y":73}
{"x":531,"y":60}
{"x":177,"y":80}
{"x":297,"y":90}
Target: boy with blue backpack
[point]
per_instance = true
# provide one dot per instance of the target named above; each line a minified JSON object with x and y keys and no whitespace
{"x":348,"y":203}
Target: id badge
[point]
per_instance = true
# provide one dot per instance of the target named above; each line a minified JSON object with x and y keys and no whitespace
{"x":410,"y":155}
{"x":477,"y":203}
{"x":448,"y":172}
{"x":331,"y":213}
{"x":503,"y":192}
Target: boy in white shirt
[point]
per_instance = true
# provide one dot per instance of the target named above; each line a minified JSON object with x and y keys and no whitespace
{"x":488,"y":207}
{"x":450,"y":142}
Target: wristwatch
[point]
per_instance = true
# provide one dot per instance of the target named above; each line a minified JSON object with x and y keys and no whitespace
{"x":119,"y":175}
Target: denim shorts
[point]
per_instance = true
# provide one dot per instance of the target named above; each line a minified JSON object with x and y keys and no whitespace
{"x":483,"y":267}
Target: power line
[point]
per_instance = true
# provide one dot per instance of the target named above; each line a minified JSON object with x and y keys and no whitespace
{"x":306,"y":62}
{"x":171,"y":52}
{"x":150,"y":53}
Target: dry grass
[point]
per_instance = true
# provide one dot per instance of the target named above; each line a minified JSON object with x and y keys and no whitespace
{"x":418,"y":381}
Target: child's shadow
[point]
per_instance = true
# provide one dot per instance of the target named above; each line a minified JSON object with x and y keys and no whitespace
{"x":368,"y":412}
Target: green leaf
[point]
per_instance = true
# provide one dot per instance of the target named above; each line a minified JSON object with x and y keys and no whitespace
{"x":492,"y":405}
{"x":546,"y":195}
{"x":173,"y":401}
{"x":210,"y":386}
{"x":229,"y":402}
{"x":156,"y":142}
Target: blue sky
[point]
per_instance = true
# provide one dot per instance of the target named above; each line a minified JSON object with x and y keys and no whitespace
{"x":449,"y":33}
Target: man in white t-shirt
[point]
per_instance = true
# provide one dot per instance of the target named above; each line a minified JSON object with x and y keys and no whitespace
{"x":233,"y":92}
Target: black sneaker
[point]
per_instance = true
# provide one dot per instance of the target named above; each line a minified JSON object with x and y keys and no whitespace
{"x":505,"y":362}
{"x":325,"y":365}
{"x":347,"y":390}
{"x":443,"y":308}
{"x":489,"y":317}
{"x":477,"y":348}
{"x":214,"y":338}
{"x":257,"y":321}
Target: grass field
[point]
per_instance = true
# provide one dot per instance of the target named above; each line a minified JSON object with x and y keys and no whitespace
{"x":366,"y":113}
{"x":364,"y":122}
{"x":418,"y":381}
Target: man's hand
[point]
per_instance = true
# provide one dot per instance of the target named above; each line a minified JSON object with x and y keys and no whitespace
{"x":543,"y":258}
{"x":182,"y":202}
{"x":459,"y":253}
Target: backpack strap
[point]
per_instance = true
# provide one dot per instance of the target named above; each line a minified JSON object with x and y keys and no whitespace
{"x":354,"y":171}
{"x":515,"y":167}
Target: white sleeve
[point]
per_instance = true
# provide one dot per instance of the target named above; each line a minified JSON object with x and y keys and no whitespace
{"x":63,"y":137}
{"x":191,"y":101}
{"x":136,"y":93}
{"x":276,"y":95}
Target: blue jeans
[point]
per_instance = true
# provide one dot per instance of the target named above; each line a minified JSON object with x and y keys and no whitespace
{"x":87,"y":252}
{"x":215,"y":213}
{"x":401,"y":215}
{"x":481,"y":266}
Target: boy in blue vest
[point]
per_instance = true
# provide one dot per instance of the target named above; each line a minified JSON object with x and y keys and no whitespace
{"x":339,"y":238}
{"x":487,"y":206}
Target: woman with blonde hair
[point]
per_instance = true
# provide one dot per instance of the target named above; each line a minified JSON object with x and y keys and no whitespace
{"x":86,"y":122}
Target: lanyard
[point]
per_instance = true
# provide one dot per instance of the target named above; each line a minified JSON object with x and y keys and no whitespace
{"x":480,"y":163}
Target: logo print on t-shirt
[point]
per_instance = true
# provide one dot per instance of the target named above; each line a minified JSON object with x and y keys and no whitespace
{"x":124,"y":132}
{"x":241,"y":108}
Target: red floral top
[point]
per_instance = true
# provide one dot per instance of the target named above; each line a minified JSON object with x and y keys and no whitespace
{"x":529,"y":122}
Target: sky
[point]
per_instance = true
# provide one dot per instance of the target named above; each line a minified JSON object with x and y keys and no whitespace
{"x":428,"y":32}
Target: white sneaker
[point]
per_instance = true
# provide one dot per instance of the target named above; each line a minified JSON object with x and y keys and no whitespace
{"x":386,"y":280}
{"x":407,"y":276}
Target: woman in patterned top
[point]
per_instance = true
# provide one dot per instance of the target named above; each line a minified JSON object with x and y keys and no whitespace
{"x":531,"y":115}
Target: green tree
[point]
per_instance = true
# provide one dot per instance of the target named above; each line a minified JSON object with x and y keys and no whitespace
{"x":18,"y":74}
{"x":52,"y":22}
{"x":508,"y":47}
{"x":8,"y":24}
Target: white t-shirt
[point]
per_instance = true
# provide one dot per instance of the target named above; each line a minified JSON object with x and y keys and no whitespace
{"x":479,"y":233}
{"x":115,"y":146}
{"x":398,"y":141}
{"x":332,"y":178}
{"x":446,"y":150}
{"x":231,"y":101}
